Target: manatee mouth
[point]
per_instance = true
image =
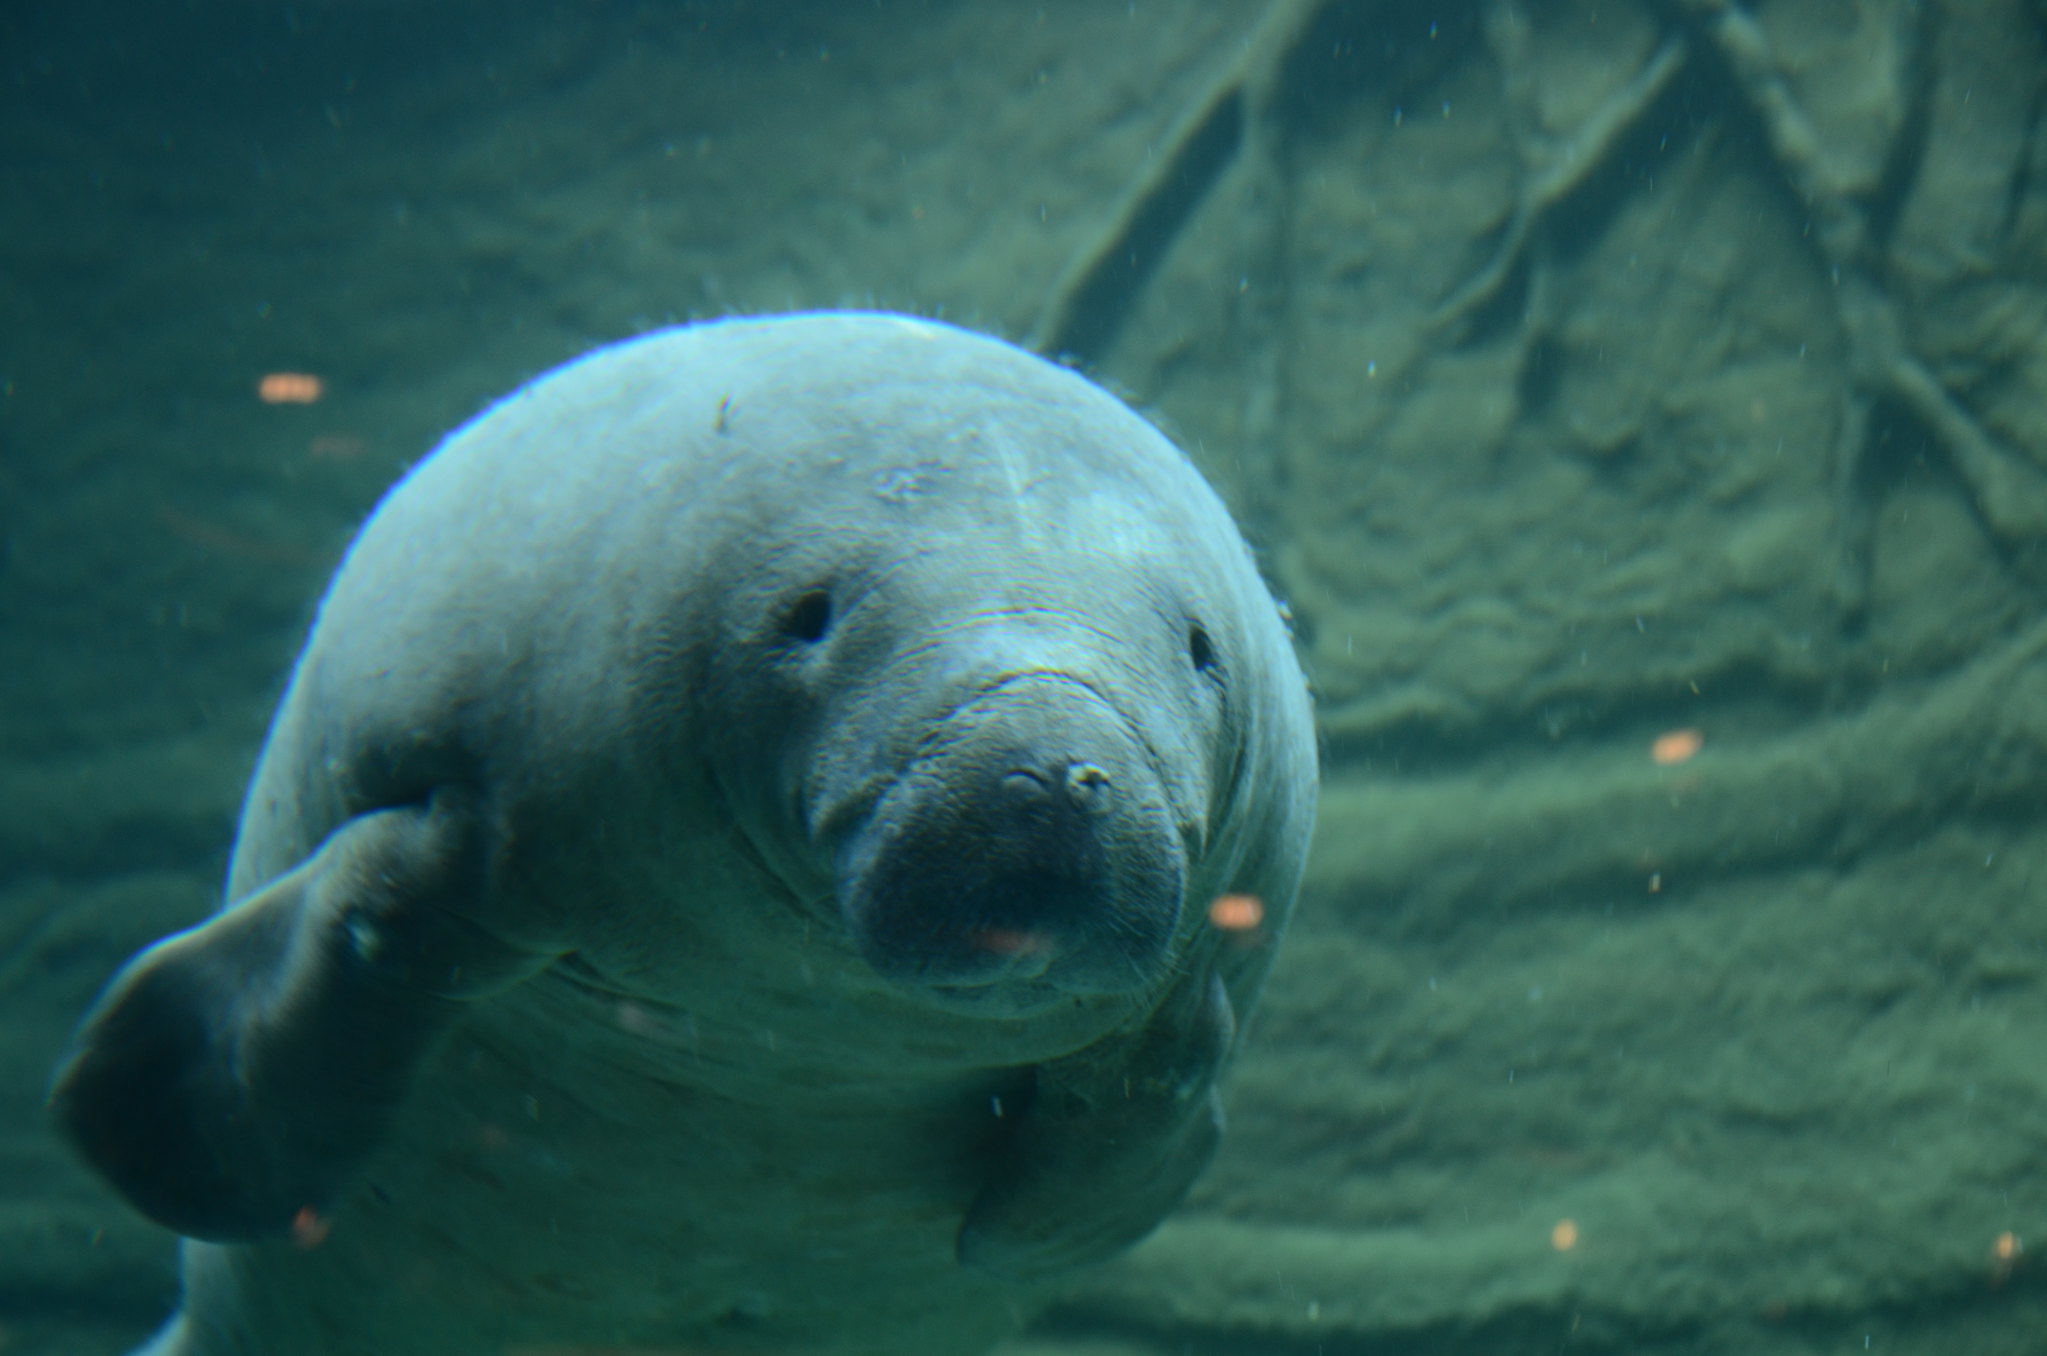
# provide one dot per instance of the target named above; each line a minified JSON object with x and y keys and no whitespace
{"x":1029,"y":856}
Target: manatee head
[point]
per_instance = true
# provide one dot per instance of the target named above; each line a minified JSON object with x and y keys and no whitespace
{"x":983,"y":658}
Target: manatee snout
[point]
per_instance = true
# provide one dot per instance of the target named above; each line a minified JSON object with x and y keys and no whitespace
{"x":1027,"y":853}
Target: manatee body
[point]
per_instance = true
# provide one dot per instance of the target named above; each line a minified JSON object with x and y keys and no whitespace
{"x":732,"y":870}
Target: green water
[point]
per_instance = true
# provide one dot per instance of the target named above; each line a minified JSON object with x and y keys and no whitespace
{"x":1582,"y":374}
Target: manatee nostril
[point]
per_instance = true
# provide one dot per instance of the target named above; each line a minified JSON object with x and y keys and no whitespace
{"x":1087,"y":786}
{"x":1025,"y":785}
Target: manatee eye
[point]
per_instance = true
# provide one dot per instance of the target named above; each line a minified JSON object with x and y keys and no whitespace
{"x":810,"y":618}
{"x":1200,"y":649}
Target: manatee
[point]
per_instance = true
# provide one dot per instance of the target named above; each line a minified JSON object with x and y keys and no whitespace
{"x":732,"y":869}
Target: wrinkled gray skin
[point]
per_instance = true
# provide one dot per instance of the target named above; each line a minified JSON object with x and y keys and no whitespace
{"x":732,"y":869}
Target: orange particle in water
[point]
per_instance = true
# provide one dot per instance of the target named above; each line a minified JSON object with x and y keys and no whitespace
{"x":1237,"y":913}
{"x":336,"y":447}
{"x":1564,"y":1236}
{"x":1676,"y":746}
{"x":2005,"y":1255}
{"x":309,"y":1228}
{"x":289,"y":388}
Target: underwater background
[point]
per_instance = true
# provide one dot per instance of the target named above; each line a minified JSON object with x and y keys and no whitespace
{"x":1641,"y":404}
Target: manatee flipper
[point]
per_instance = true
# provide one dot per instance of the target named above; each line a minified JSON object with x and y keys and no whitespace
{"x":240,"y":1072}
{"x":1112,"y":1140}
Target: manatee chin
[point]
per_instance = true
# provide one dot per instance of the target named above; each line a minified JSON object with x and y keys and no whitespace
{"x":1027,"y":858}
